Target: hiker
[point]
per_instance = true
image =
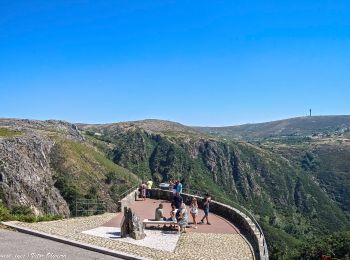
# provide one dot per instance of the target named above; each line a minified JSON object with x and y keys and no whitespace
{"x":194,"y":211}
{"x":159,"y":215}
{"x":207,"y":200}
{"x":182,"y":218}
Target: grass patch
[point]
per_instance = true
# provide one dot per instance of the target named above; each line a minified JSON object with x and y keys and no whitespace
{"x":24,"y":214}
{"x":4,"y":132}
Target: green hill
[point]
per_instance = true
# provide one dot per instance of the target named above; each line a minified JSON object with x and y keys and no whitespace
{"x":284,"y":196}
{"x":299,"y":126}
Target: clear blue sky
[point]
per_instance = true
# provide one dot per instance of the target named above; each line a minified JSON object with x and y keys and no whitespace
{"x":196,"y":62}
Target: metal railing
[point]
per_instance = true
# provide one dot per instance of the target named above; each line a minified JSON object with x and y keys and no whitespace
{"x":124,"y":193}
{"x":242,"y":209}
{"x":89,"y":207}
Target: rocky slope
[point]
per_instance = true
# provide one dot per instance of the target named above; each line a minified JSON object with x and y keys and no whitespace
{"x":287,"y":199}
{"x":25,"y":174}
{"x":46,"y":165}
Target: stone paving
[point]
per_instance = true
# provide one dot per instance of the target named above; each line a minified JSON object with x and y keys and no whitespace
{"x":165,"y":240}
{"x":189,"y":246}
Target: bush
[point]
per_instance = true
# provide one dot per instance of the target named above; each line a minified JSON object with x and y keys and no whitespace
{"x":48,"y":217}
{"x":21,"y":210}
{"x":5,"y":214}
{"x":26,"y":218}
{"x":24,"y":214}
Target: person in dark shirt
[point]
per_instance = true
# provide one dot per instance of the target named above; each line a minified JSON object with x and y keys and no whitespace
{"x":177,"y":200}
{"x":207,"y":200}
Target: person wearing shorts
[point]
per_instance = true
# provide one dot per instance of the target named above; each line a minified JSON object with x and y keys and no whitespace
{"x":207,"y":200}
{"x":194,"y":211}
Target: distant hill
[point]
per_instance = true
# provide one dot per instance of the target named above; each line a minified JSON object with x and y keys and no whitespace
{"x":151,"y":125}
{"x":299,"y":126}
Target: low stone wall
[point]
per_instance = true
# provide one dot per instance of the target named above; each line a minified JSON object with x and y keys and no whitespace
{"x":127,"y":200}
{"x":240,"y":220}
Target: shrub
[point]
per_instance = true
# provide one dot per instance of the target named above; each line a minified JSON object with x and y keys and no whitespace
{"x":21,"y":210}
{"x":5,"y":214}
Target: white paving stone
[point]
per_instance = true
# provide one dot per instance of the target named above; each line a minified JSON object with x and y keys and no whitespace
{"x":157,"y":239}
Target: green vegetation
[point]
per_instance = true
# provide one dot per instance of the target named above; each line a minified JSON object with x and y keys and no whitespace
{"x":336,"y":245}
{"x":83,"y":172}
{"x":297,"y":185}
{"x":273,"y":180}
{"x":4,"y":132}
{"x":24,"y":214}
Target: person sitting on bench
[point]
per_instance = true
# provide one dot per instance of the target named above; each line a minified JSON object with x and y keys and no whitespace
{"x":172,"y":215}
{"x":159,"y":215}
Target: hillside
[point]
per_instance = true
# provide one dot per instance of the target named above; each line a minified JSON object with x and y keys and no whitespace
{"x":298,"y":189}
{"x":299,"y":126}
{"x":46,"y":165}
{"x":288,"y":201}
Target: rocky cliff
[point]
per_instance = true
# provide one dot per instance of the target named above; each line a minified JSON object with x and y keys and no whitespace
{"x":26,"y":177}
{"x":46,"y":165}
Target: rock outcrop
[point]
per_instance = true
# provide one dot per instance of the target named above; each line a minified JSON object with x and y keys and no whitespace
{"x":132,"y":225}
{"x":25,"y":174}
{"x":69,"y":130}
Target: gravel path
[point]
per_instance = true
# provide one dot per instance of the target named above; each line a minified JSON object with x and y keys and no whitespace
{"x":189,"y":246}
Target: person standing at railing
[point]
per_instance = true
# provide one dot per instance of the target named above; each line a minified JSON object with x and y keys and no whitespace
{"x":207,"y":200}
{"x":143,"y":190}
{"x":173,"y":184}
{"x":149,"y":187}
{"x":178,"y":186}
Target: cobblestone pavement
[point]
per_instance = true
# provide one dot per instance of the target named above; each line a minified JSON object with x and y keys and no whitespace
{"x":190,"y":245}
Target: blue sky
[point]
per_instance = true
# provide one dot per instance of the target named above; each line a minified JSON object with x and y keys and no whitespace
{"x":196,"y":62}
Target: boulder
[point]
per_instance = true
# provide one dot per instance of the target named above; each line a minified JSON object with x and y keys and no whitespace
{"x":132,"y":225}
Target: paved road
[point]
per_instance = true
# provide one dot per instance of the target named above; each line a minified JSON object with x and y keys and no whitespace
{"x":15,"y":245}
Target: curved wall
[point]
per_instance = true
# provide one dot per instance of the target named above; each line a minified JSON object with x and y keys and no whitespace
{"x":238,"y":218}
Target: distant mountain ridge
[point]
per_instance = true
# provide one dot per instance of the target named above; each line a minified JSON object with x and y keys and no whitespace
{"x":152,"y":125}
{"x":298,"y":126}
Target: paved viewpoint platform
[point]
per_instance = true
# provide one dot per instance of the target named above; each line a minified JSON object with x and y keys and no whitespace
{"x":221,"y":240}
{"x":146,"y":210}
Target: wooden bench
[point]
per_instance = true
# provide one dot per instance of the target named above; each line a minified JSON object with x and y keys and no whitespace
{"x":157,"y":222}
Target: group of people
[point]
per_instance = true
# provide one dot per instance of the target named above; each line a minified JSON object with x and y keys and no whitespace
{"x":145,"y":188}
{"x":180,"y":213}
